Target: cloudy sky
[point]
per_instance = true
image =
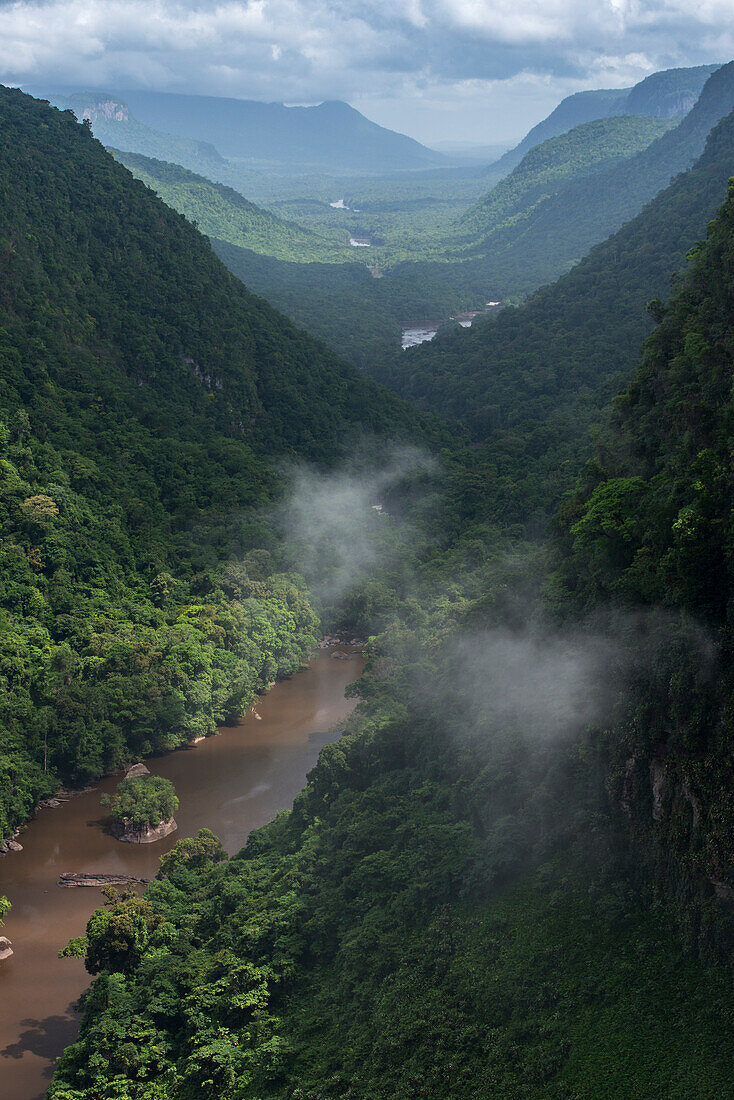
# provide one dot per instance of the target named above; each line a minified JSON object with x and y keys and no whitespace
{"x":482,"y":70}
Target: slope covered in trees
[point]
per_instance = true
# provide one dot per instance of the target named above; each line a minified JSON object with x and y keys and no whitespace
{"x":513,"y":876}
{"x":222,"y":212}
{"x":582,"y":151}
{"x":540,"y":374}
{"x":667,"y":94}
{"x":145,"y":392}
{"x":561,"y":229}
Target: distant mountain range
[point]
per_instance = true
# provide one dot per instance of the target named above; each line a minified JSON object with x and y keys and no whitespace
{"x":670,"y":93}
{"x":331,"y":137}
{"x":519,"y":254}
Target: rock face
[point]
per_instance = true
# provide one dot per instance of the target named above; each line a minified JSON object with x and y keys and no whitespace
{"x":149,"y":835}
{"x":135,"y":770}
{"x":6,"y":948}
{"x":71,"y":879}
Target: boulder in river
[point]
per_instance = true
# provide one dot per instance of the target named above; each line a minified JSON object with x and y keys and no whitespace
{"x":147,"y":835}
{"x":69,"y":878}
{"x":135,"y":770}
{"x":6,"y":948}
{"x":14,"y":846}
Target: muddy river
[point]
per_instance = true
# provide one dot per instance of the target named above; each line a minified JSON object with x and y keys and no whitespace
{"x":230,"y":784}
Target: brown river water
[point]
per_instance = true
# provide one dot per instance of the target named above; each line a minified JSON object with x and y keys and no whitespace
{"x":231,"y":784}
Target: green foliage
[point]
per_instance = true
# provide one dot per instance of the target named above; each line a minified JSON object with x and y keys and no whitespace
{"x":145,"y":393}
{"x":532,"y":383}
{"x":142,"y":802}
{"x":651,"y":527}
{"x":221,"y":212}
{"x":5,"y":905}
{"x":408,"y":930}
{"x":117,"y":937}
{"x":585,"y":149}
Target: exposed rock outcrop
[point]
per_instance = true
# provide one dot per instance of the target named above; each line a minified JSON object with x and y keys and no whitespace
{"x":136,"y":770}
{"x":6,"y":948}
{"x":130,"y":835}
{"x":69,"y":878}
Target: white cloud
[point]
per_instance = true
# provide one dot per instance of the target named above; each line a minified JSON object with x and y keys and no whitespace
{"x":379,"y":50}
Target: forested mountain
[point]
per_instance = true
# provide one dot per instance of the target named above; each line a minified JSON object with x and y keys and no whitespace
{"x":513,"y":876}
{"x":220,"y":211}
{"x":651,"y":527}
{"x":667,"y":94}
{"x":331,"y":137}
{"x":113,"y":124}
{"x":560,"y":230}
{"x":145,"y":392}
{"x":544,"y":370}
{"x":578,"y":153}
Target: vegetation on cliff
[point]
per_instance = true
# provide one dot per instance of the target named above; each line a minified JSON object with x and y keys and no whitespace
{"x":511,"y":875}
{"x":147,"y":397}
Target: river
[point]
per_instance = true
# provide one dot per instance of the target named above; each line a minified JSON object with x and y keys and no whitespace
{"x":231,"y":784}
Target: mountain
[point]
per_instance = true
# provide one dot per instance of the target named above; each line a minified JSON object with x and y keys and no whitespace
{"x":650,"y":528}
{"x":113,"y":124}
{"x":331,"y":137}
{"x":220,"y":211}
{"x":147,"y":400}
{"x":546,"y":369}
{"x":483,"y":891}
{"x":560,"y":229}
{"x":667,"y":94}
{"x":580,"y":152}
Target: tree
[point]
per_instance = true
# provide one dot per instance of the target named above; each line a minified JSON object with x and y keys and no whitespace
{"x":117,"y":936}
{"x":142,"y":802}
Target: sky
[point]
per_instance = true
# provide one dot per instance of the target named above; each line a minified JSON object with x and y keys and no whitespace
{"x":480,"y":71}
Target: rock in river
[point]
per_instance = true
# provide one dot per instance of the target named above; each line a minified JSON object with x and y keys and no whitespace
{"x":148,"y":835}
{"x":135,"y":770}
{"x":6,"y":948}
{"x":69,"y":878}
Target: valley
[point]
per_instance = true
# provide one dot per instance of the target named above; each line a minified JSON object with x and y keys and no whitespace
{"x":313,"y":378}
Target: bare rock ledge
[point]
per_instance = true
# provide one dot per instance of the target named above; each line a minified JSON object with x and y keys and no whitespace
{"x":149,"y":835}
{"x":69,"y":878}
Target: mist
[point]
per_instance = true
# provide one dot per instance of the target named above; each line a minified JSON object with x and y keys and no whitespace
{"x":344,"y":527}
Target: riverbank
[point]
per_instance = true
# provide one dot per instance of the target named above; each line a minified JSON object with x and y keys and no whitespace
{"x":231,"y":783}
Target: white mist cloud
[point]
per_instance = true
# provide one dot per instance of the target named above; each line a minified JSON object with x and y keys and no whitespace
{"x":333,"y":524}
{"x":542,"y":684}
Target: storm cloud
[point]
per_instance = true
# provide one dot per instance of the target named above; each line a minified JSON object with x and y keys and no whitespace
{"x":422,"y":54}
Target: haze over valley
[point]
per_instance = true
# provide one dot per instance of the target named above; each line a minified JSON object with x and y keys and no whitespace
{"x":365,"y":530}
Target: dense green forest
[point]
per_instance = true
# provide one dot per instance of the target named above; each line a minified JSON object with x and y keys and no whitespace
{"x":220,"y":211}
{"x":580,"y":152}
{"x":360,"y":316}
{"x":530,"y":382}
{"x":527,"y":230}
{"x":146,"y":397}
{"x":513,"y":875}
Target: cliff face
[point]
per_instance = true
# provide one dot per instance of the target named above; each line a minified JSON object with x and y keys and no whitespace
{"x":652,"y":528}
